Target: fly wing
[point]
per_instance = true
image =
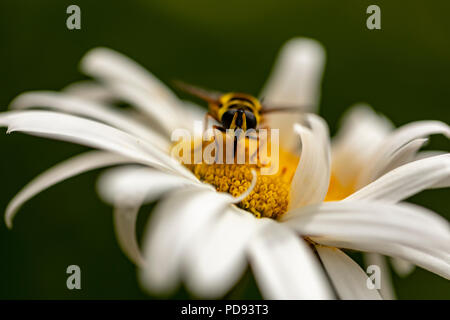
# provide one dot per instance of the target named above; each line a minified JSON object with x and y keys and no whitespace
{"x":273,"y":109}
{"x":206,"y":95}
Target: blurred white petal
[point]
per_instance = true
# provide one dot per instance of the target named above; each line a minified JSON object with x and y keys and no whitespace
{"x":396,"y":142}
{"x":118,"y":184}
{"x":62,"y":171}
{"x":125,"y":216}
{"x":349,"y":280}
{"x":407,"y":180}
{"x":285,"y":267}
{"x":429,"y":153}
{"x":405,"y":154}
{"x":296,"y":78}
{"x":362,"y":221}
{"x":133,"y":83}
{"x":109,"y":65}
{"x":312,"y":176}
{"x":173,"y":224}
{"x":127,"y":188}
{"x":161,"y":111}
{"x":79,"y":106}
{"x":90,"y":133}
{"x":402,"y":267}
{"x":436,"y":261}
{"x":386,"y":286}
{"x":361,"y":132}
{"x":194,"y":115}
{"x":294,"y":82}
{"x":216,"y":258}
{"x":90,"y":90}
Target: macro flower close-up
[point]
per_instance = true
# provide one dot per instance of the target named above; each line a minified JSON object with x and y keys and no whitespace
{"x":289,"y":225}
{"x":219,"y":154}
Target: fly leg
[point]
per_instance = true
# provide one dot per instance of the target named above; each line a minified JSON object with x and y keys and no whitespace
{"x":205,"y":127}
{"x":216,"y":156}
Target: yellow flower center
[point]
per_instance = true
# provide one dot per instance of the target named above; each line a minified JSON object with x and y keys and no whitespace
{"x":337,"y":190}
{"x":269,"y":197}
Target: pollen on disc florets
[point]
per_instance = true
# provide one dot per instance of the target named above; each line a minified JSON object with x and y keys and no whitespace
{"x":269,"y":198}
{"x":270,"y":195}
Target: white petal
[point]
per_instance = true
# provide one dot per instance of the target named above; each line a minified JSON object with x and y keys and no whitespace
{"x":396,"y":142}
{"x":64,"y":170}
{"x":312,"y":176}
{"x":128,"y":188}
{"x":119,"y":184}
{"x":297,"y":74}
{"x":194,"y":114}
{"x":110,"y":65}
{"x":437,"y":261}
{"x":386,"y":286}
{"x":169,"y":231}
{"x":216,"y":258}
{"x":359,"y":221}
{"x":90,"y":133}
{"x":405,"y":154}
{"x":285,"y":267}
{"x":295,"y":82}
{"x":125,"y":228}
{"x":90,"y":90}
{"x":349,"y":280}
{"x":402,"y":267}
{"x":360,"y":134}
{"x":407,"y":180}
{"x":86,"y":108}
{"x":132,"y":82}
{"x":166,"y":117}
{"x":429,"y":153}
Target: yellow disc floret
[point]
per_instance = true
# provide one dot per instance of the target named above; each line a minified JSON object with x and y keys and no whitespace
{"x":269,"y":197}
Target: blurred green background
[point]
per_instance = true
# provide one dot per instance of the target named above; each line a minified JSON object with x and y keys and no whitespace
{"x":402,"y":70}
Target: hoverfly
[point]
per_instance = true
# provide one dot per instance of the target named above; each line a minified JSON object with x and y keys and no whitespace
{"x":233,"y":110}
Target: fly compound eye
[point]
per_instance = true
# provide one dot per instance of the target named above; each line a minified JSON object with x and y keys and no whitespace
{"x":250,"y":119}
{"x":227,"y":118}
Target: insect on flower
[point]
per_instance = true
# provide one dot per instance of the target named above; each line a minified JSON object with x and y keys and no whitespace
{"x":235,"y":111}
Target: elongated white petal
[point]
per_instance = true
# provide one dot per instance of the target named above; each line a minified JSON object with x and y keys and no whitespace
{"x":372,"y":221}
{"x":311,"y":179}
{"x":216,"y":258}
{"x":160,"y":110}
{"x":429,"y":153}
{"x":125,"y":217}
{"x":296,"y":78}
{"x":294,"y":82}
{"x":86,"y":108}
{"x":349,"y":280}
{"x":405,"y":154}
{"x":110,"y":65}
{"x":90,"y":133}
{"x":132,"y":82}
{"x":175,"y":221}
{"x":436,"y":261}
{"x":360,"y":134}
{"x":146,"y":185}
{"x":285,"y":267}
{"x":127,"y":188}
{"x":90,"y":90}
{"x":386,"y":286}
{"x":396,"y":143}
{"x":407,"y":180}
{"x":402,"y":267}
{"x":62,"y":171}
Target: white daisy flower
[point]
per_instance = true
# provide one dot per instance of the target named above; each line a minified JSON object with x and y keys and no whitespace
{"x":204,"y":231}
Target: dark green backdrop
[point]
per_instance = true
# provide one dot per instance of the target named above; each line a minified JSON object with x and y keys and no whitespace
{"x":402,"y":70}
